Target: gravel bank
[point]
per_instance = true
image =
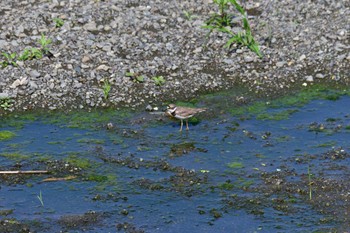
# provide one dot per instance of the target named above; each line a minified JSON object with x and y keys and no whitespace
{"x":302,"y":42}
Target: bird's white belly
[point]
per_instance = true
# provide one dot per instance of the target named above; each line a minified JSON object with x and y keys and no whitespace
{"x":183,"y":117}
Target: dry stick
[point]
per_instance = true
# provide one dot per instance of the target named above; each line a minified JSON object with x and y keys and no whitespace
{"x":24,"y":172}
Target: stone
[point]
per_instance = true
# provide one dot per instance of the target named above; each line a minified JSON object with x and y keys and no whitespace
{"x":85,"y":59}
{"x":302,"y":57}
{"x":34,"y":74}
{"x":309,"y":78}
{"x":103,"y":67}
{"x":15,"y":84}
{"x":280,"y":64}
{"x":248,"y":59}
{"x":91,"y":26}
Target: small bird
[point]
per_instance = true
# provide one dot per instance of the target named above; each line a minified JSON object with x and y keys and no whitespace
{"x":182,"y":113}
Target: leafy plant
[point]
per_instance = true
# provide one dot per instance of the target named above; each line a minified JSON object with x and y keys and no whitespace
{"x":44,"y":43}
{"x":188,"y":15}
{"x":58,"y":22}
{"x":5,"y":103}
{"x":158,"y":80}
{"x":135,"y":77}
{"x":222,"y":21}
{"x":106,"y":88}
{"x":10,"y":59}
{"x":29,"y":54}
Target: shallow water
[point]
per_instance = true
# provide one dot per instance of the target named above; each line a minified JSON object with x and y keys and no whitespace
{"x":221,"y":158}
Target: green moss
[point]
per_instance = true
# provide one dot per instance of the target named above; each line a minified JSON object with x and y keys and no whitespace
{"x":277,"y":116}
{"x":79,"y":162}
{"x":15,"y":145}
{"x":16,"y":156}
{"x":327,"y":144}
{"x":97,"y":178}
{"x":91,"y":140}
{"x":283,"y":138}
{"x":16,"y":121}
{"x":226,"y":186}
{"x":55,"y":143}
{"x":88,"y":120}
{"x":235,"y":165}
{"x":299,"y":99}
{"x":6,"y":135}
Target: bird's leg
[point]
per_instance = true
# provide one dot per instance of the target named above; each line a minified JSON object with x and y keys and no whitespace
{"x":181,"y":125}
{"x":187,"y":125}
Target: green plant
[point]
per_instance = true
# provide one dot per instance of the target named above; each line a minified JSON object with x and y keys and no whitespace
{"x":40,"y":197}
{"x":188,"y":15}
{"x":10,"y":59}
{"x":135,"y":77}
{"x":5,"y":103}
{"x":6,"y":135}
{"x":222,"y":21}
{"x":29,"y":54}
{"x":158,"y":80}
{"x":106,"y":88}
{"x":44,"y":43}
{"x":58,"y":22}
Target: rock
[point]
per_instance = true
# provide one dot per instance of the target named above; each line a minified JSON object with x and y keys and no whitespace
{"x":91,"y":26}
{"x":3,"y":44}
{"x":110,"y":126}
{"x":319,"y":75}
{"x":309,"y":78}
{"x":302,"y":57}
{"x":280,"y":64}
{"x":149,"y":108}
{"x":34,"y":74}
{"x":23,"y":81}
{"x":248,"y":59}
{"x":103,"y":67}
{"x":15,"y":84}
{"x":198,"y":50}
{"x":33,"y":85}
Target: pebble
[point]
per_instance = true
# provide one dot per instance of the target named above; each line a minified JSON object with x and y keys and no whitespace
{"x":302,"y":57}
{"x":319,"y":75}
{"x":280,"y":64}
{"x":91,"y":26}
{"x":248,"y":59}
{"x":103,"y":67}
{"x":309,"y":78}
{"x":34,"y":74}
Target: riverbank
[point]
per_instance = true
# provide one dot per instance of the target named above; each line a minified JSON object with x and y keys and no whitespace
{"x":129,"y":45}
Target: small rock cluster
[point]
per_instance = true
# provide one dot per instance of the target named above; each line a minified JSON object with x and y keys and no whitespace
{"x":302,"y":41}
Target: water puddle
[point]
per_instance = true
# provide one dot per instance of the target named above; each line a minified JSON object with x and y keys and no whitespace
{"x":272,"y":168}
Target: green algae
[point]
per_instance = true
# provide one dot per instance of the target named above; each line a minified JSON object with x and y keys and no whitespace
{"x":79,"y":162}
{"x":6,"y":135}
{"x":91,"y":140}
{"x":276,"y":116}
{"x":88,"y":120}
{"x":262,"y":109}
{"x":235,"y":165}
{"x":15,"y":156}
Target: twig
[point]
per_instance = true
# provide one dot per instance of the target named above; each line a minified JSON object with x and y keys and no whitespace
{"x":24,"y":172}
